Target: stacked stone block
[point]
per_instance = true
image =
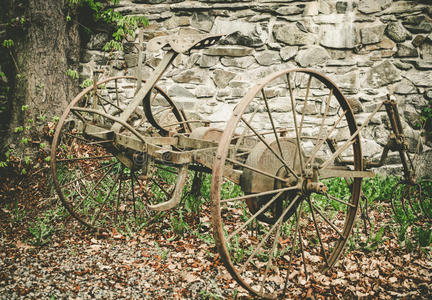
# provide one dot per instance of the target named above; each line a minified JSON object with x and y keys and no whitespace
{"x":370,"y":48}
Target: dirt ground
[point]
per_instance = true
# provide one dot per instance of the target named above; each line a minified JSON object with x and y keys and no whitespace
{"x":75,"y":263}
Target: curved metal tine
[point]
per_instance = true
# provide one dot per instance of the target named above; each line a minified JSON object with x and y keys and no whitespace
{"x":287,"y":167}
{"x":417,"y":152}
{"x":272,"y":123}
{"x":403,"y":200}
{"x":295,"y":121}
{"x":154,"y":96}
{"x":96,"y":96}
{"x":265,"y":238}
{"x":161,"y":188}
{"x":253,"y":217}
{"x":317,"y":230}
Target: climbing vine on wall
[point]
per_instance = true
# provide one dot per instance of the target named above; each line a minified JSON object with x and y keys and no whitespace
{"x":124,"y":25}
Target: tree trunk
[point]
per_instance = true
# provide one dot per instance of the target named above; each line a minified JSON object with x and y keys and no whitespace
{"x":46,"y":46}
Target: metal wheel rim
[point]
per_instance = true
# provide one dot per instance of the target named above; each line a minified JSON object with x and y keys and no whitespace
{"x":61,"y":124}
{"x":221,"y":155}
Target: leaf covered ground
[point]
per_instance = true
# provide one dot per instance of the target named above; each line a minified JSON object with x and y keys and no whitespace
{"x":44,"y":253}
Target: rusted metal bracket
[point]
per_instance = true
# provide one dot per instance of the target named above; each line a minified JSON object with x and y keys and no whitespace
{"x":183,"y":43}
{"x":176,"y":195}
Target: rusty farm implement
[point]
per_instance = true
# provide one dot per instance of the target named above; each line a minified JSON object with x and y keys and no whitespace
{"x":123,"y":148}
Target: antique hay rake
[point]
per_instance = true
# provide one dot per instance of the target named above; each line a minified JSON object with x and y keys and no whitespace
{"x":124,"y":148}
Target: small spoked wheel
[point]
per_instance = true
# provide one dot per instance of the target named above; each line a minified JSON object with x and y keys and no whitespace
{"x":293,"y":139}
{"x":101,"y":181}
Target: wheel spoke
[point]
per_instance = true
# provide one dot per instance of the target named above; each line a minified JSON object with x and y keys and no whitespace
{"x":132,"y":173}
{"x":265,"y":238}
{"x":271,"y":149}
{"x":351,"y":140}
{"x":291,"y":188}
{"x":331,"y":197}
{"x":301,"y":243}
{"x":295,"y":121}
{"x":162,"y":110}
{"x":322,"y":141}
{"x":161,"y":188}
{"x":297,"y":222}
{"x":317,"y":230}
{"x":262,"y":209}
{"x":327,"y":221}
{"x":322,"y":124}
{"x":110,"y":103}
{"x":83,"y":158}
{"x":272,"y":123}
{"x":94,"y":187}
{"x":243,"y":134}
{"x":305,"y":104}
{"x":119,"y":191}
{"x":336,"y":153}
{"x":92,"y":172}
{"x":105,"y":199}
{"x":256,"y":170}
{"x":272,"y":252}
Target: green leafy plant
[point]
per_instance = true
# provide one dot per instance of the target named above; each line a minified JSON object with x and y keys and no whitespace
{"x":73,"y":74}
{"x":8,"y":43}
{"x":86,"y":83}
{"x":177,"y":224}
{"x":41,"y":231}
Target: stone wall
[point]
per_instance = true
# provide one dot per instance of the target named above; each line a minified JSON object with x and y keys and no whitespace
{"x":368,"y":47}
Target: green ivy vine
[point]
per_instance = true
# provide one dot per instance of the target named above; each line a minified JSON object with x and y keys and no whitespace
{"x":124,"y":25}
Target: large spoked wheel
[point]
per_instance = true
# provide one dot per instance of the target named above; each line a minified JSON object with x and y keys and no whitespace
{"x":101,"y":182}
{"x":294,"y":139}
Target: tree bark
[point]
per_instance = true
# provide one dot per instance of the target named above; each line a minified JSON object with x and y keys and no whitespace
{"x":46,"y":45}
